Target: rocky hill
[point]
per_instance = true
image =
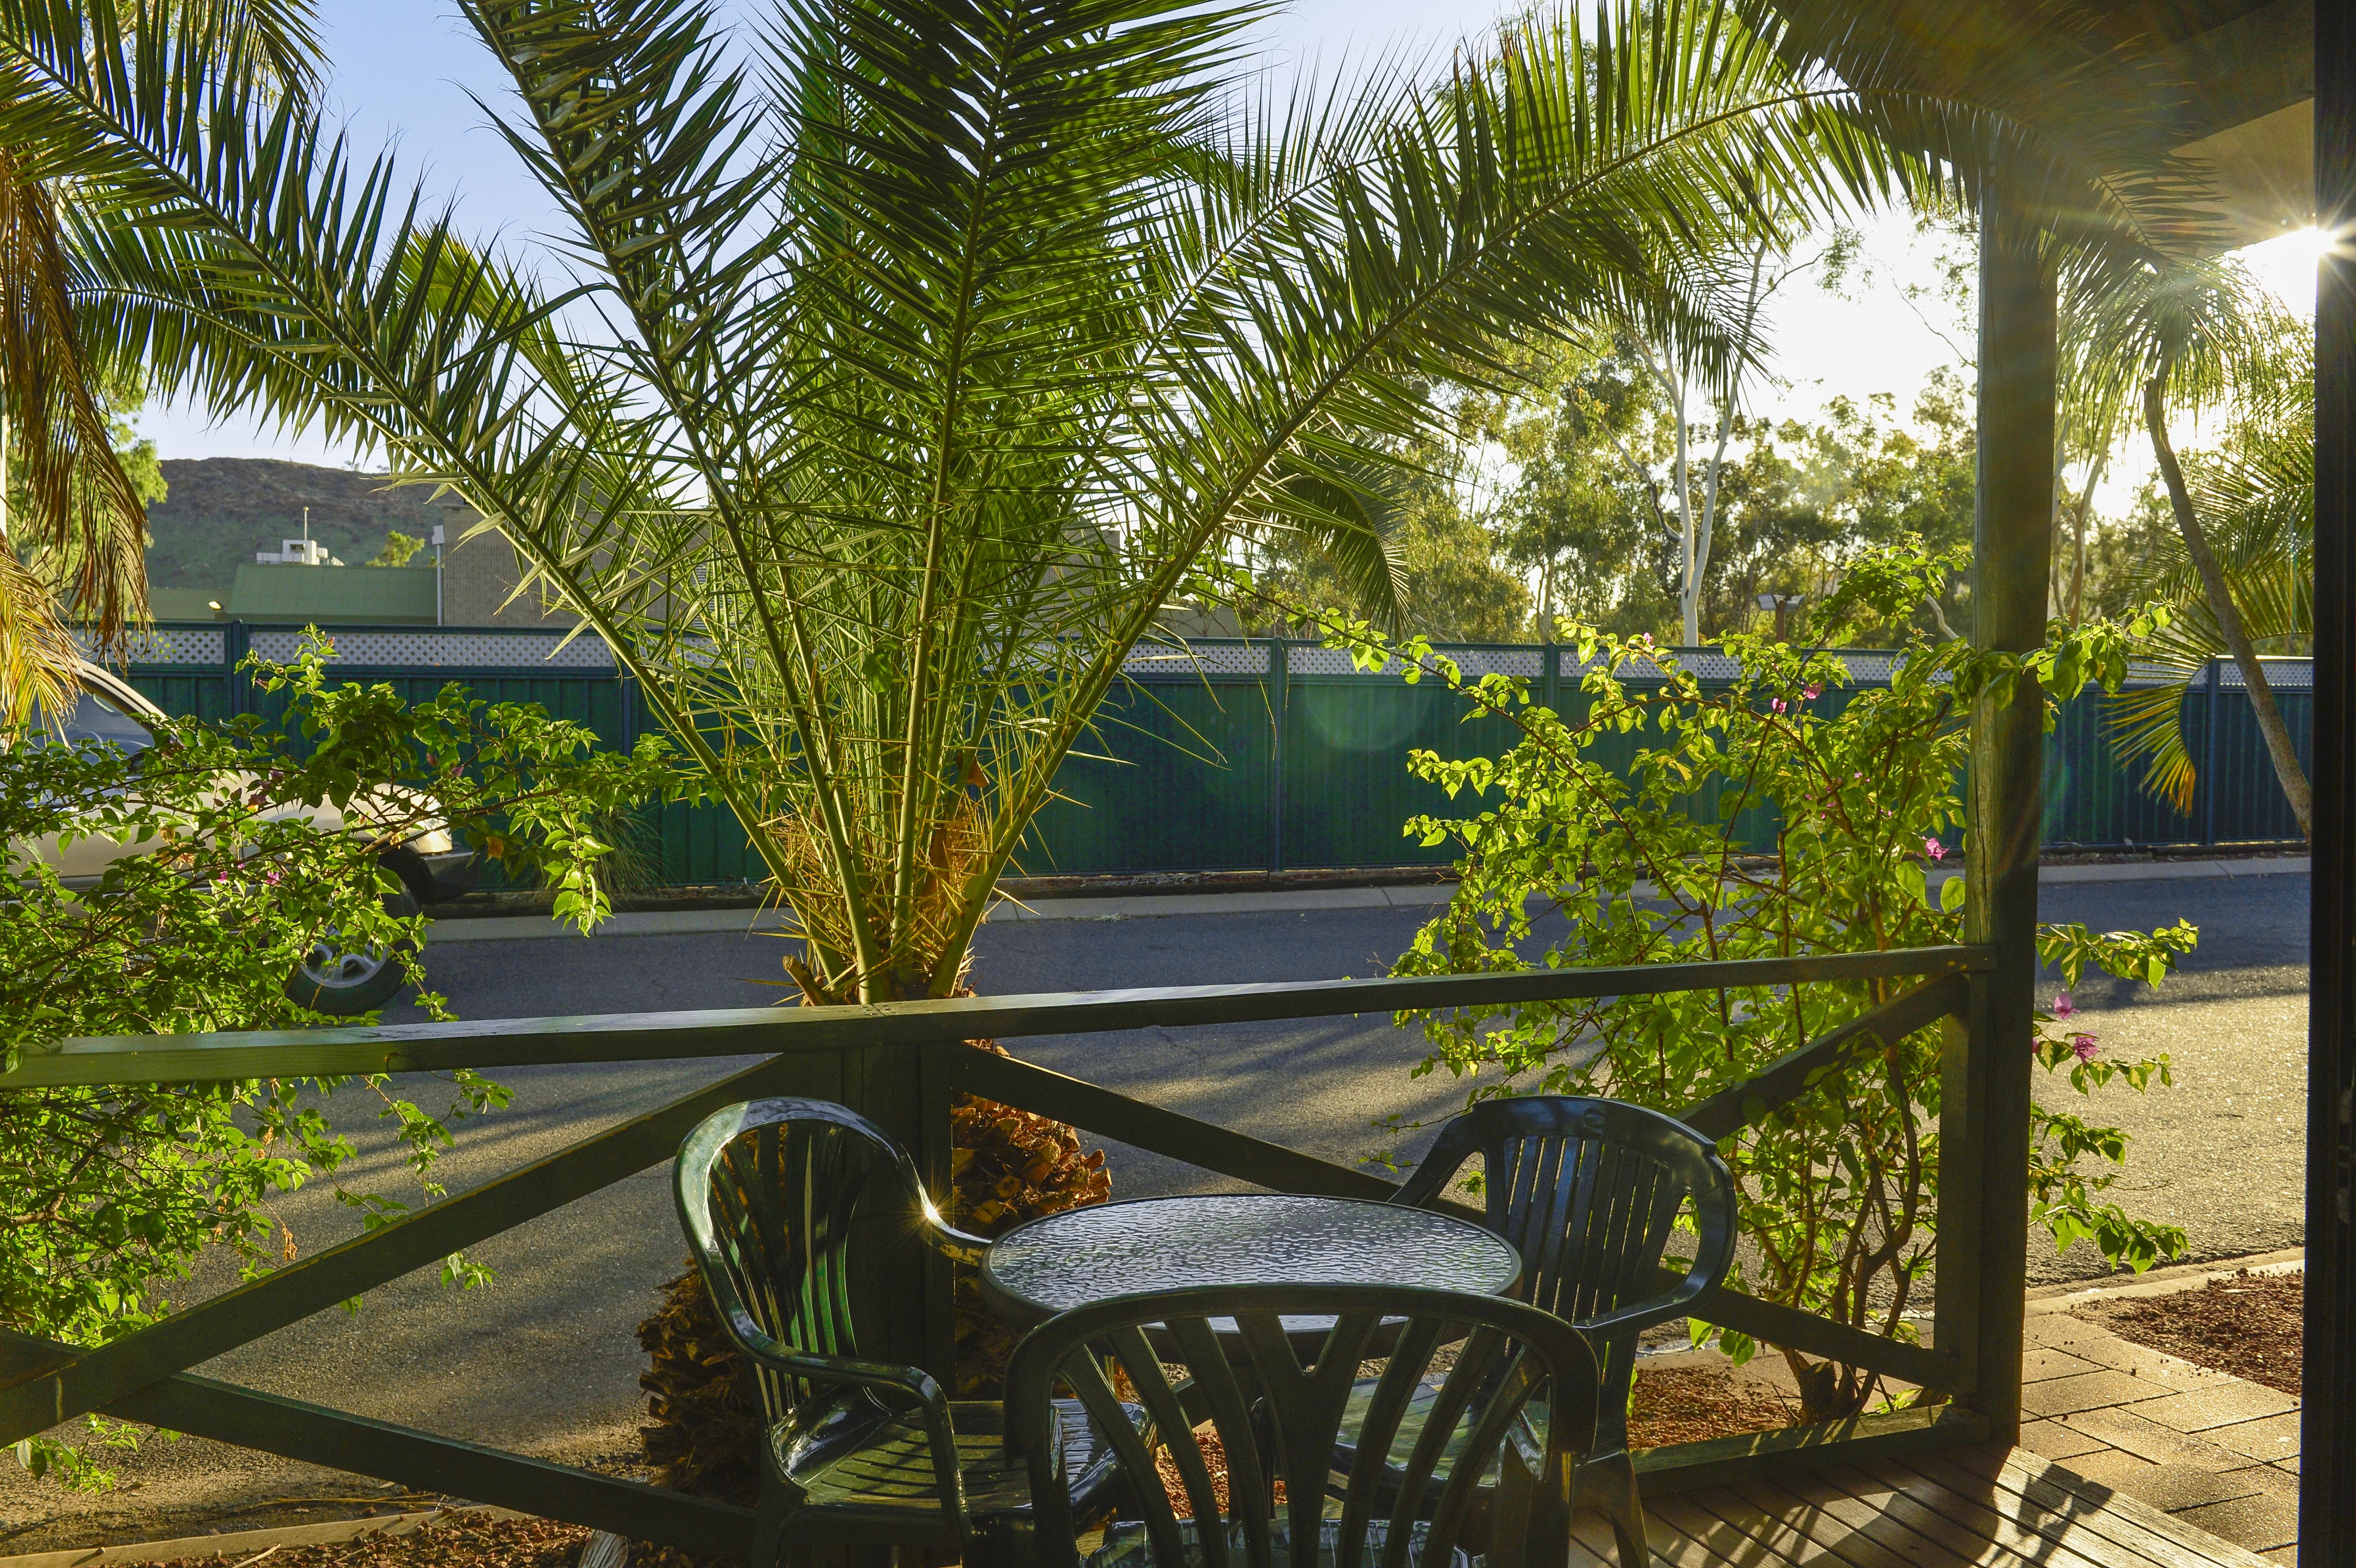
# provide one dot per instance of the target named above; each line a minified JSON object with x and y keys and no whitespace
{"x":223,"y":509}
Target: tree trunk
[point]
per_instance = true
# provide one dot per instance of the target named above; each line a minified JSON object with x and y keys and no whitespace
{"x":2077,"y":606}
{"x":2229,"y":616}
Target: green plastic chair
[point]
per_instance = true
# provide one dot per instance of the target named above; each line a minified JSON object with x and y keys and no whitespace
{"x":1277,"y":1418}
{"x":857,"y":1452}
{"x":1588,"y":1193}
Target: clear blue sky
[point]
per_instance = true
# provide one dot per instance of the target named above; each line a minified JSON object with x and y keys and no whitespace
{"x":403,"y":70}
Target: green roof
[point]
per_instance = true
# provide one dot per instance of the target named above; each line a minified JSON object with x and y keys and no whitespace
{"x":183,"y":604}
{"x":334,"y":595}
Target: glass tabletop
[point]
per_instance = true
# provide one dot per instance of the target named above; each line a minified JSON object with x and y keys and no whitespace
{"x":1062,"y":1261}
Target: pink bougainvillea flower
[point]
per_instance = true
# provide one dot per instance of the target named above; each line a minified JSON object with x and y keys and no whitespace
{"x":2084,"y":1044}
{"x":1932,"y":847}
{"x":2063,"y":1006}
{"x":1812,"y":690}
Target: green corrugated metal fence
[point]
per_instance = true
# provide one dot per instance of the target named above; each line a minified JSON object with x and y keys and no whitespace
{"x":1263,"y":756}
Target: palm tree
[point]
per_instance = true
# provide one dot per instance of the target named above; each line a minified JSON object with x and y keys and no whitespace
{"x":2188,"y":334}
{"x":2256,"y":494}
{"x":76,"y":549}
{"x":892,"y":378}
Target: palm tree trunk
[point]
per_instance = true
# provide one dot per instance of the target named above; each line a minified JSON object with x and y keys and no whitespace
{"x":2229,"y":616}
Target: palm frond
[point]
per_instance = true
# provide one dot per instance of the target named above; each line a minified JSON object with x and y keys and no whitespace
{"x":281,"y":35}
{"x":82,"y":509}
{"x":1346,"y":512}
{"x":84,"y":514}
{"x":37,"y":650}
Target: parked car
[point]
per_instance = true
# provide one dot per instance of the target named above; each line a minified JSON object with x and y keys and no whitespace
{"x":430,"y":867}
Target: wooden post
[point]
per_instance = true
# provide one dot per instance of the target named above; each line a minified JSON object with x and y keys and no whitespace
{"x":2209,"y":782}
{"x":936,"y":1166}
{"x":1279,"y":704}
{"x":895,"y":1285}
{"x":237,"y":687}
{"x":1984,"y":1195}
{"x":2326,"y":1504}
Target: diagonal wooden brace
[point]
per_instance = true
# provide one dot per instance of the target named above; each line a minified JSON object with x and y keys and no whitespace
{"x":1772,"y":1324}
{"x":38,"y":1397}
{"x":1730,"y":1110}
{"x":227,"y":1412}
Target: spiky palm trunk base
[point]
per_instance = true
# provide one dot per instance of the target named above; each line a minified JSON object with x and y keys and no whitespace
{"x":1007,"y":1165}
{"x":703,"y":1430}
{"x":705,"y":1409}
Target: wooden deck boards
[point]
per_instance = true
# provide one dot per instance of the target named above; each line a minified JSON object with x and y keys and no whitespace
{"x":1966,"y":1507}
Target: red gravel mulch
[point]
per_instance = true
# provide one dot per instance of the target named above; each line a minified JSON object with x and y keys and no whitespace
{"x":2247,"y":1324}
{"x":465,"y":1542}
{"x":1693,"y":1405}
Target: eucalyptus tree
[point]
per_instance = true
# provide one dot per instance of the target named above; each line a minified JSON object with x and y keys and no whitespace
{"x":902,"y":359}
{"x":73,"y":524}
{"x":2188,"y":334}
{"x":1747,"y":276}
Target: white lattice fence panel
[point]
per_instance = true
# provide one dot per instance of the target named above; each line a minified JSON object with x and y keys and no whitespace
{"x":2143,"y":676}
{"x":429,"y":647}
{"x":1868,"y":670}
{"x":1195,"y":660}
{"x":168,"y":645}
{"x":1474,"y":662}
{"x":2287,"y":675}
{"x":1635,"y":669}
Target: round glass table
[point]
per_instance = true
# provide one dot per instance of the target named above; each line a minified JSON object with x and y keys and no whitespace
{"x":1058,"y":1262}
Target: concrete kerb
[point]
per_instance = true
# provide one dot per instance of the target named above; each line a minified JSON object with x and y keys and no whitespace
{"x":1424,"y":895}
{"x":246,"y":1543}
{"x":666,"y":922}
{"x":2164,"y":1281}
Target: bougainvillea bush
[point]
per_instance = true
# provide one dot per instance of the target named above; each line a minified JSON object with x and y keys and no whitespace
{"x":109,"y":1194}
{"x":1567,"y":860}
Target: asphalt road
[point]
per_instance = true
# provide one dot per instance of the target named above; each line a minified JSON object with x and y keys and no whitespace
{"x":545,"y":1359}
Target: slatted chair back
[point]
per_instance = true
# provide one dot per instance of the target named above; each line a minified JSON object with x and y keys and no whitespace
{"x":767,"y":1194}
{"x":1587,"y":1190}
{"x":1406,"y":1505}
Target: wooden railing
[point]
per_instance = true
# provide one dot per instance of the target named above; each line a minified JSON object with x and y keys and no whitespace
{"x":901,"y":1064}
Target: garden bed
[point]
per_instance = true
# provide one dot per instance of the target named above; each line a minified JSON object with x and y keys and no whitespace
{"x":2247,"y":1324}
{"x":462,"y":1543}
{"x":1693,"y":1405}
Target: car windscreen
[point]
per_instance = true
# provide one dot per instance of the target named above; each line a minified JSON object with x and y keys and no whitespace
{"x":95,"y":717}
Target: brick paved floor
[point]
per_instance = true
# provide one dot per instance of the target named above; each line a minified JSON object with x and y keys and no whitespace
{"x":2216,"y":1451}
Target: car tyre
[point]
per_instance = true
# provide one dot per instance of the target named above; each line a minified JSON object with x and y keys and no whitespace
{"x":345,"y":984}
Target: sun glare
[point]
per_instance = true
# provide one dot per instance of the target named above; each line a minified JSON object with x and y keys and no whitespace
{"x":2286,"y":265}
